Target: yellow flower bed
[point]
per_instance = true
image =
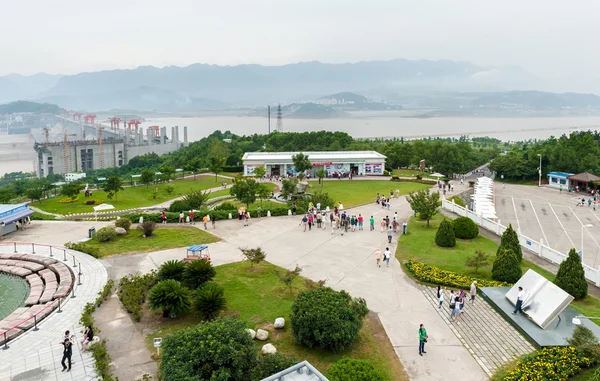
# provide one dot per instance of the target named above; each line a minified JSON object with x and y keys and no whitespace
{"x":68,"y":200}
{"x":435,"y":275}
{"x":549,"y":364}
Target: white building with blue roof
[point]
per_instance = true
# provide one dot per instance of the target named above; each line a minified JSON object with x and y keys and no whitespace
{"x":556,"y":179}
{"x":12,"y":215}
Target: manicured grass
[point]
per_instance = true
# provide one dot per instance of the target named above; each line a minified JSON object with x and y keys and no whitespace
{"x":420,"y":245}
{"x":265,"y":205}
{"x":356,"y":192}
{"x":411,"y":173}
{"x":257,"y":297}
{"x":162,"y":238}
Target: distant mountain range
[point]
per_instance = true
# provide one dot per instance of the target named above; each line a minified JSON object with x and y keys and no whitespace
{"x":202,"y":86}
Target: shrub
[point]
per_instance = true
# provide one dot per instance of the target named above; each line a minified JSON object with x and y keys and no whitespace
{"x":480,"y":259}
{"x":196,"y":199}
{"x":510,"y":239}
{"x":269,"y":365}
{"x":287,"y":277}
{"x":133,"y":289}
{"x":170,"y":297}
{"x":124,"y":223}
{"x":254,"y":256}
{"x":106,"y":234}
{"x":225,"y":206}
{"x":549,"y":364}
{"x":179,"y":206}
{"x":147,"y":227}
{"x":571,"y":276}
{"x":90,"y":202}
{"x":586,"y":343}
{"x":444,"y":236}
{"x":465,"y":228}
{"x":327,"y":318}
{"x":348,"y":369}
{"x":216,"y":350}
{"x":102,"y":360}
{"x":459,"y":201}
{"x":196,"y":273}
{"x":506,"y":267}
{"x":210,"y":300}
{"x":84,"y":248}
{"x":171,"y":270}
{"x":435,"y":275}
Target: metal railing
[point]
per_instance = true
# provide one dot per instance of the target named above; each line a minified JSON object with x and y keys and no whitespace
{"x":37,"y":249}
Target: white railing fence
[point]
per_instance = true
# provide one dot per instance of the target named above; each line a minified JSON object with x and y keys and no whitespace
{"x":543,"y":251}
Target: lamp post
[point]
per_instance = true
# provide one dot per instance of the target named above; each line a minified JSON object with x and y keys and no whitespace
{"x":540,"y":171}
{"x":582,"y":227}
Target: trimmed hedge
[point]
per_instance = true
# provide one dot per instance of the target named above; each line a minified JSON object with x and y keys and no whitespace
{"x":84,"y":248}
{"x":179,"y":206}
{"x":444,"y":236}
{"x":465,"y":228}
{"x":435,"y":275}
{"x":124,"y":223}
{"x":106,"y":234}
{"x":506,"y":266}
{"x":571,"y":276}
{"x":217,"y":215}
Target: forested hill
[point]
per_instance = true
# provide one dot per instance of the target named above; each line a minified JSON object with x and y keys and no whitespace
{"x":25,"y":106}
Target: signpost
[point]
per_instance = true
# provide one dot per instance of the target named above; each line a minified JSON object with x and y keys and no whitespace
{"x":157,"y":342}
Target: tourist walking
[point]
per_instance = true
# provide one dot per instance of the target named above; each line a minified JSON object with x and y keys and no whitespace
{"x":390,"y":234}
{"x":473,"y":291}
{"x":304,"y":221}
{"x":378,"y":257}
{"x":88,"y":336}
{"x":520,"y":298}
{"x":456,"y":312}
{"x":310,"y":222}
{"x":387,"y":254}
{"x":246,"y":218}
{"x":67,"y":353}
{"x":205,"y":221}
{"x":213,"y":220}
{"x":163,"y":218}
{"x":360,"y":220}
{"x":387,"y":221}
{"x":353,"y":222}
{"x":441,"y":297}
{"x":452,"y":301}
{"x":181,"y":217}
{"x":192,"y":217}
{"x":371,"y":223}
{"x":422,"y":339}
{"x":294,"y":209}
{"x":382,"y":225}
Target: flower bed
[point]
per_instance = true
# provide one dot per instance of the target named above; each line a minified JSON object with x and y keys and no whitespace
{"x":68,"y":200}
{"x":549,"y":364}
{"x":435,"y":275}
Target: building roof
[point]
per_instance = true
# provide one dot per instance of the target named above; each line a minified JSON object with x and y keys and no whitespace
{"x":584,"y":177}
{"x":562,"y":175}
{"x":8,"y":207}
{"x":314,"y":156}
{"x":303,"y":371}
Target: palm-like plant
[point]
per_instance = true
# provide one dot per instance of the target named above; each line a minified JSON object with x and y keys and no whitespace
{"x":210,"y":300}
{"x":198,"y":272}
{"x":171,"y":270}
{"x":170,"y":297}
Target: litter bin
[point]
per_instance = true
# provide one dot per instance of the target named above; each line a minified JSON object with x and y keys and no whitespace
{"x":404,"y":228}
{"x":91,"y":232}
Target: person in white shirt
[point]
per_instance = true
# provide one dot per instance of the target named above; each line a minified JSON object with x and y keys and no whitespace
{"x":441,"y":298}
{"x":387,"y":254}
{"x":520,"y":298}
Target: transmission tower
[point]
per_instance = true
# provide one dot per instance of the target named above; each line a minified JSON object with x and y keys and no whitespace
{"x":279,"y":119}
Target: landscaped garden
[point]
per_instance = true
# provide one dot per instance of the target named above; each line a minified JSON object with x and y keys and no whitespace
{"x":356,"y":192}
{"x":245,"y":295}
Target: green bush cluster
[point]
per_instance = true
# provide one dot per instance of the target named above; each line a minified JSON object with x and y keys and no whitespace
{"x":225,"y":206}
{"x":506,"y":267}
{"x":106,"y":234}
{"x":124,"y":223}
{"x":84,"y":248}
{"x":216,"y":215}
{"x":171,"y":270}
{"x":510,"y":240}
{"x":327,"y":318}
{"x":133,"y":289}
{"x":179,"y":206}
{"x":170,"y":297}
{"x":348,"y":369}
{"x":571,"y":276}
{"x":102,"y":360}
{"x":465,"y":228}
{"x":271,"y":364}
{"x":209,"y":300}
{"x":458,"y":201}
{"x":444,"y":236}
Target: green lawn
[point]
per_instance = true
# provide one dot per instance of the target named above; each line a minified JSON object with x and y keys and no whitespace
{"x":162,"y":238}
{"x":265,"y":205}
{"x":410,"y":173}
{"x":420,"y":245}
{"x":356,"y":192}
{"x":135,"y":197}
{"x":257,"y":297}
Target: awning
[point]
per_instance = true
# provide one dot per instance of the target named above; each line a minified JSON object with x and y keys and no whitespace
{"x":15,"y":217}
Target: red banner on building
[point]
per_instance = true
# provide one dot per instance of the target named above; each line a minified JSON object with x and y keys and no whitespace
{"x":316,"y":164}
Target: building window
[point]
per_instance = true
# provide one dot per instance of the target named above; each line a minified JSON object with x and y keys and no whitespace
{"x":120,"y":154}
{"x":553,"y":179}
{"x":120,"y":162}
{"x":563,"y":181}
{"x":87,"y":159}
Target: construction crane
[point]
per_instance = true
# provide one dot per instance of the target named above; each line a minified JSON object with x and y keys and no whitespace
{"x":89,"y":118}
{"x":77,"y":116}
{"x":134,"y":122}
{"x":115,"y":123}
{"x":156,"y":131}
{"x":66,"y":148}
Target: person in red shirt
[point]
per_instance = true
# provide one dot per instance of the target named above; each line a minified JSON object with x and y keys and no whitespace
{"x":360,"y":222}
{"x":192,"y":217}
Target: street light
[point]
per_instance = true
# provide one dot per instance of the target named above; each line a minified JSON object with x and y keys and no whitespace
{"x":577,"y":319}
{"x":583,"y":226}
{"x":540,"y":171}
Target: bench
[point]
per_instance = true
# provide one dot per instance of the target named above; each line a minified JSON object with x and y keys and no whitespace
{"x":19,"y":271}
{"x":65,"y":278}
{"x":49,"y":292}
{"x":30,"y":265}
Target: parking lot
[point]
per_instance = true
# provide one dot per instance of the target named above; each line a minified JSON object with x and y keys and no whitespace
{"x":546,"y":214}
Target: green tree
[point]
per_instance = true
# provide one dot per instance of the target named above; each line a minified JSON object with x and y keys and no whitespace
{"x":480,"y":259}
{"x":216,"y":350}
{"x":217,"y":156}
{"x":259,"y":172}
{"x":263,"y":193}
{"x":6,"y":194}
{"x":167,"y":172}
{"x":506,"y":266}
{"x":571,"y":276}
{"x":35,"y":193}
{"x":147,"y":177}
{"x":287,"y":277}
{"x":321,"y":174}
{"x":170,"y":297}
{"x":586,"y":343}
{"x":510,"y":240}
{"x":209,"y":301}
{"x":424,"y":202}
{"x":193,"y":166}
{"x":348,"y":369}
{"x":465,"y":228}
{"x":113,"y":186}
{"x":445,"y":236}
{"x":254,"y":256}
{"x":288,"y":187}
{"x":245,"y":190}
{"x":301,"y":164}
{"x":326,"y":318}
{"x":196,"y":199}
{"x":71,"y":189}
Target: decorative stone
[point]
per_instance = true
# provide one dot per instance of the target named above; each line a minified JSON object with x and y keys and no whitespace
{"x":229,"y":216}
{"x":279,"y":323}
{"x":262,"y":335}
{"x":141,"y":220}
{"x":268,"y":213}
{"x":289,"y":212}
{"x":251,"y":332}
{"x":268,"y":349}
{"x":120,"y":231}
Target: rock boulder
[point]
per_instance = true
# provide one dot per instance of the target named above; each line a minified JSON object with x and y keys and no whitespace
{"x":262,"y":335}
{"x":268,"y":349}
{"x":120,"y":231}
{"x":279,"y":323}
{"x":251,"y":332}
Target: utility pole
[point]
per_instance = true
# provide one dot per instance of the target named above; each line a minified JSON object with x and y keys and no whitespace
{"x":269,"y":118}
{"x":540,"y":171}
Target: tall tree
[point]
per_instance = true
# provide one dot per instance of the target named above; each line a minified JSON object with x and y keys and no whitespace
{"x":321,"y":174}
{"x":424,"y":202}
{"x":510,"y":240}
{"x":571,"y":276}
{"x":217,"y":156}
{"x":301,"y":164}
{"x":113,"y":186}
{"x":71,"y":189}
{"x":259,"y":172}
{"x":147,"y":177}
{"x":35,"y":193}
{"x":167,"y":172}
{"x":6,"y":194}
{"x":245,"y":190}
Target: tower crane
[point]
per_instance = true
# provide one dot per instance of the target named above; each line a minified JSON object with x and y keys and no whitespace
{"x":115,"y":123}
{"x":134,"y":122}
{"x":89,"y":118}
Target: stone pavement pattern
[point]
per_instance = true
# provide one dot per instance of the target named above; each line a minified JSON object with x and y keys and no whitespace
{"x":490,"y":339}
{"x":36,"y":355}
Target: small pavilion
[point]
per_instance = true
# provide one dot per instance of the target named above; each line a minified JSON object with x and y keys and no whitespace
{"x":585,"y":182}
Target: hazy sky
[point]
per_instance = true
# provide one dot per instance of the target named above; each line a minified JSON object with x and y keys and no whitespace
{"x":554,"y":39}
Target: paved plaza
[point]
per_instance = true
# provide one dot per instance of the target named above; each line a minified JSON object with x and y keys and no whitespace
{"x":545,"y":214}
